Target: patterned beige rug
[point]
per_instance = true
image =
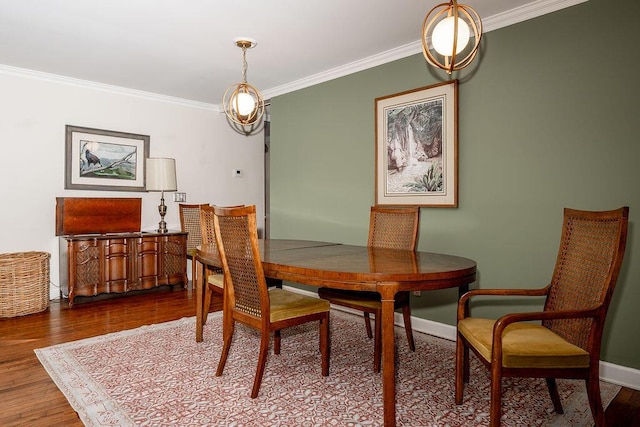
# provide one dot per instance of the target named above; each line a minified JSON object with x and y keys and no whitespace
{"x":159,"y":376}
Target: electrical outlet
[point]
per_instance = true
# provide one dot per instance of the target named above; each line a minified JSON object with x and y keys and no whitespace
{"x":180,"y":197}
{"x":417,"y":293}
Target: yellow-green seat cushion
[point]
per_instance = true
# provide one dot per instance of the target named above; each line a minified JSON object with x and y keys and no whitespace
{"x":191,"y":252}
{"x":216,"y":280}
{"x":285,"y":305}
{"x":525,"y":345}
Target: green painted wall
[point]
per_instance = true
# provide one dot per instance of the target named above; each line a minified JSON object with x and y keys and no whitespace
{"x":548,"y":118}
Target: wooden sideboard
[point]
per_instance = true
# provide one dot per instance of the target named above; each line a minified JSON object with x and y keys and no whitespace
{"x":102,"y":249}
{"x":121,"y":262}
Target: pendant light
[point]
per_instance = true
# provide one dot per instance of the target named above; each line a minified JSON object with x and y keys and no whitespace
{"x":243,"y":103}
{"x":451,"y":36}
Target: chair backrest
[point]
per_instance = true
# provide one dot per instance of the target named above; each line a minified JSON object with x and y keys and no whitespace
{"x":394,"y":228}
{"x":237,"y":238}
{"x":589,"y":260}
{"x":190,"y":222}
{"x":207,"y":225}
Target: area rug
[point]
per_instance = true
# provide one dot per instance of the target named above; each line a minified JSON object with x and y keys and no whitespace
{"x":158,"y":375}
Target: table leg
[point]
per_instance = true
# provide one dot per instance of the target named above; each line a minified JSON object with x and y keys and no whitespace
{"x":388,"y":361}
{"x":199,"y":288}
{"x":463,"y":289}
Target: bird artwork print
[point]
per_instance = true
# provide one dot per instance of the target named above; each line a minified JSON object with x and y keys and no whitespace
{"x":92,"y":159}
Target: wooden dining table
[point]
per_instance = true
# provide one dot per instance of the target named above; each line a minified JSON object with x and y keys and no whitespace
{"x":386,"y":271}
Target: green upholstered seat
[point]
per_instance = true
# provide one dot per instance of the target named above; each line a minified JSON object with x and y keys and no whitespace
{"x":524,"y":345}
{"x":286,"y":305}
{"x":216,"y":280}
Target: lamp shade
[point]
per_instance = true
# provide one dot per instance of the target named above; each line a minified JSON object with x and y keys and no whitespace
{"x":161,"y":174}
{"x":443,"y":37}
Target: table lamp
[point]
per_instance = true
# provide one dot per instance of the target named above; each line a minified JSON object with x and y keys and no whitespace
{"x":161,"y":176}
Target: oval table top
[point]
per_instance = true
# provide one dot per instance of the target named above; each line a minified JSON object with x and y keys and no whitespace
{"x":355,"y":267}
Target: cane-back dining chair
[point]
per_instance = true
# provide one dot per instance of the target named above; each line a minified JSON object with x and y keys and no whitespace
{"x":190,"y":222}
{"x":564,"y":339}
{"x":250,"y":302}
{"x":391,"y":228}
{"x":214,"y":278}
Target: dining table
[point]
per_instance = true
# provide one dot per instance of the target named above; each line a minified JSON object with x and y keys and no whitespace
{"x":352,"y":267}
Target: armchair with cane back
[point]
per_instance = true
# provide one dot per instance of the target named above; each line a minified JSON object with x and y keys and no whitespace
{"x":564,"y":339}
{"x":249,"y":301}
{"x":391,"y":228}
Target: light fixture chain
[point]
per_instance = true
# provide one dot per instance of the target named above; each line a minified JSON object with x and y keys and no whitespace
{"x":244,"y":64}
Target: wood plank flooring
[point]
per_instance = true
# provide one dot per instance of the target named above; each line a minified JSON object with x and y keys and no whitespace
{"x":28,"y":397}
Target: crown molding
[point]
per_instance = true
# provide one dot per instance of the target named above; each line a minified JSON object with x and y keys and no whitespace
{"x":87,"y":84}
{"x":344,"y":70}
{"x":526,"y":12}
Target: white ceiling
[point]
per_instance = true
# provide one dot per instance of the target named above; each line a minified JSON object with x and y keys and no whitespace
{"x":184,"y":48}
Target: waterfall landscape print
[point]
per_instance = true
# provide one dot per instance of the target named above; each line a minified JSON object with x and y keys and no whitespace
{"x":416,"y":147}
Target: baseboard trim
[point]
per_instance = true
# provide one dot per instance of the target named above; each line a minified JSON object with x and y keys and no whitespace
{"x":609,"y":372}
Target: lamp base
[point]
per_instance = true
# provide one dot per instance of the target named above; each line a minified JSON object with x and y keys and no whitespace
{"x":162,"y":209}
{"x":162,"y":227}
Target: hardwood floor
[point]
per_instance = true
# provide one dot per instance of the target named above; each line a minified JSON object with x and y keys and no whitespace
{"x":30,"y":398}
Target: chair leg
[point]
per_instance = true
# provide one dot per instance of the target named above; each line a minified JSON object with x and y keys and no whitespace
{"x":496,"y":396}
{"x":276,"y":342}
{"x":555,"y":397}
{"x":225,"y":349}
{"x":262,"y":361}
{"x":325,"y":344}
{"x":193,"y":272}
{"x":461,"y":361}
{"x":595,"y":401}
{"x":206,"y":303}
{"x":406,"y":314}
{"x":367,"y":324}
{"x":377,"y":343}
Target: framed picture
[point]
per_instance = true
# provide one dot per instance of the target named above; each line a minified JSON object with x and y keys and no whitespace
{"x":104,"y":160}
{"x":417,"y":147}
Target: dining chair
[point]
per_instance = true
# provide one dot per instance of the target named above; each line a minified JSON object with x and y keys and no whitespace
{"x":213,"y":278}
{"x":190,"y":223}
{"x":250,"y":302}
{"x":564,"y":339}
{"x":390,"y":228}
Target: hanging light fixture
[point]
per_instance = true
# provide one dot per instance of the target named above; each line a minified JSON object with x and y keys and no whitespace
{"x":451,"y":35}
{"x":243,"y":103}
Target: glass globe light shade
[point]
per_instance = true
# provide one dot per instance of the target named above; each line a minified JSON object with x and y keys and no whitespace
{"x":442,"y":37}
{"x":243,"y":103}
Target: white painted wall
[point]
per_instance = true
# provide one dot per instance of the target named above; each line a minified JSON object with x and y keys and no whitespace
{"x":33,"y":115}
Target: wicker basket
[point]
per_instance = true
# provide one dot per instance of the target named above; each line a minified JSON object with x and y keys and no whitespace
{"x":24,"y":283}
